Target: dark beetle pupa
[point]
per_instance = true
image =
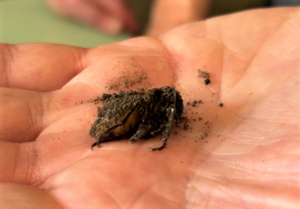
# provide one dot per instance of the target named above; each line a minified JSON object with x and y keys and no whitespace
{"x":137,"y":114}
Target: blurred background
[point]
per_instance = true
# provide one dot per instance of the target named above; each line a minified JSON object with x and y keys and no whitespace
{"x":27,"y":21}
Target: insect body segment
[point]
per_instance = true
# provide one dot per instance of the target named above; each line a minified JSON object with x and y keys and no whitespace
{"x":141,"y":114}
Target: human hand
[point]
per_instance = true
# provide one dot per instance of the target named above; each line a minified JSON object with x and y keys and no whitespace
{"x":110,"y":16}
{"x":168,"y":14}
{"x":249,"y":159}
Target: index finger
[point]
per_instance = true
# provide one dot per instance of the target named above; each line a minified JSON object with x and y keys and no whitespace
{"x":39,"y":67}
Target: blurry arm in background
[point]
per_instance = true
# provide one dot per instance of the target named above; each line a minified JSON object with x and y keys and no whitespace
{"x":168,"y":14}
{"x":114,"y":16}
{"x":110,"y":16}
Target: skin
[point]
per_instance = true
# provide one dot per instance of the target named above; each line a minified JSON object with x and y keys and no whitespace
{"x":163,"y":18}
{"x":113,"y":16}
{"x":250,"y":158}
{"x":110,"y":16}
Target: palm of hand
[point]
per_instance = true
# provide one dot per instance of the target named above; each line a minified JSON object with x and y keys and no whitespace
{"x":251,"y":140}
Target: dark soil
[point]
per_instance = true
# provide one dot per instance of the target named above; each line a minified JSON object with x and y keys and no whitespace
{"x":203,"y":74}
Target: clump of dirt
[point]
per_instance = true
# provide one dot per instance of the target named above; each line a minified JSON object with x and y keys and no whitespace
{"x":204,"y":74}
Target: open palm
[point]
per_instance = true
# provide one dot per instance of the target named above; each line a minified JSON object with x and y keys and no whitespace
{"x":242,"y":155}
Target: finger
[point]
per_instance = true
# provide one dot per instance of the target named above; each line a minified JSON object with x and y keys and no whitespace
{"x":58,"y":121}
{"x":48,"y":128}
{"x":22,"y":196}
{"x":89,"y":13}
{"x":23,"y":113}
{"x":39,"y":67}
{"x":20,"y":114}
{"x":119,"y":10}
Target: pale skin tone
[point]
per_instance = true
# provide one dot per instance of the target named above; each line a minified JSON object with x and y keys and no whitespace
{"x":168,"y":14}
{"x":250,"y":158}
{"x":110,"y":16}
{"x":114,"y":16}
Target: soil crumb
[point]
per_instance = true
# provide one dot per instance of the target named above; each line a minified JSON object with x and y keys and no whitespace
{"x":204,"y":74}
